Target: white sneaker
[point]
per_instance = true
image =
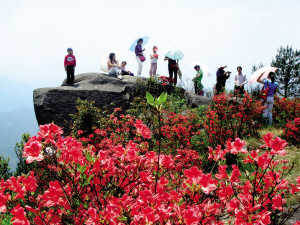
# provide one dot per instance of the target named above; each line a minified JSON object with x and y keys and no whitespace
{"x":120,"y":77}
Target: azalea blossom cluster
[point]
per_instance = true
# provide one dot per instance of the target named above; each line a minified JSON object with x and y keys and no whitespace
{"x":292,"y":131}
{"x":166,"y":80}
{"x":285,"y":110}
{"x":109,"y":178}
{"x":232,"y":117}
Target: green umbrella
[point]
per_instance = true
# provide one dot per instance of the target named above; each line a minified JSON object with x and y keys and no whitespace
{"x":175,"y":54}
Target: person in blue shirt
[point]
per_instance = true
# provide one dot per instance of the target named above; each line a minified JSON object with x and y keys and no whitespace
{"x":269,"y":82}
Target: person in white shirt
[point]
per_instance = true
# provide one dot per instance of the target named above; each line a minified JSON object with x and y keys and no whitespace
{"x":153,"y":65}
{"x":240,"y":80}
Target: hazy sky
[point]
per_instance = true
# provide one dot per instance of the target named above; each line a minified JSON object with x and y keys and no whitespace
{"x":35,"y":34}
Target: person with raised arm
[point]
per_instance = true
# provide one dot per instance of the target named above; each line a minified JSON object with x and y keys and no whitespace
{"x":222,"y":76}
{"x":272,"y":85}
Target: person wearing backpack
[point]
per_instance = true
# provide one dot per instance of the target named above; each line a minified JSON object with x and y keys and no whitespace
{"x":272,"y":85}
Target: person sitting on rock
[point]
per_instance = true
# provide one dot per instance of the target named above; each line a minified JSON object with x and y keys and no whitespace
{"x":113,"y":66}
{"x":123,"y":69}
{"x":69,"y":64}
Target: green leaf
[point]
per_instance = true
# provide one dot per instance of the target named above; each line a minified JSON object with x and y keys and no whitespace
{"x":156,"y":102}
{"x":180,"y":202}
{"x":88,"y":180}
{"x":149,"y":98}
{"x":79,"y":167}
{"x":252,"y":177}
{"x":188,"y":185}
{"x":164,"y":97}
{"x":122,"y":218}
{"x":83,"y":169}
{"x":160,"y":99}
{"x":89,"y":157}
{"x":86,"y":205}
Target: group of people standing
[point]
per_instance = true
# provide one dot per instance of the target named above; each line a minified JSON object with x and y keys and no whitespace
{"x":114,"y":68}
{"x":240,"y":79}
{"x":140,"y":58}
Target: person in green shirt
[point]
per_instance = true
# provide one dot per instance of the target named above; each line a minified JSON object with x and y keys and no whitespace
{"x":197,"y":81}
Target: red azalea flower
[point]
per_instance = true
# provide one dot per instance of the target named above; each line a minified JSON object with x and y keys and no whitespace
{"x":53,"y":195}
{"x":33,"y":151}
{"x":3,"y":200}
{"x":19,"y":216}
{"x":278,"y":202}
{"x":235,"y":174}
{"x":278,"y":146}
{"x":142,"y":129}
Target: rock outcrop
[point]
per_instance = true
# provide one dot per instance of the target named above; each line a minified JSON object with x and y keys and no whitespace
{"x":57,"y":103}
{"x":195,"y":101}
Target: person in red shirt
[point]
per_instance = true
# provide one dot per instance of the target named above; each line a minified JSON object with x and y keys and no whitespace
{"x":70,"y":63}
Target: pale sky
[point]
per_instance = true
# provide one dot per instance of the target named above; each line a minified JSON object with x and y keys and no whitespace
{"x":35,"y":34}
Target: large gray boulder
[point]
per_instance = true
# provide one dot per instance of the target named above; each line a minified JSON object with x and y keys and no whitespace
{"x":57,"y":103}
{"x":195,"y":101}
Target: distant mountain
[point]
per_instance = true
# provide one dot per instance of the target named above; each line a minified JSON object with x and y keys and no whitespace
{"x":14,"y":95}
{"x":12,"y":125}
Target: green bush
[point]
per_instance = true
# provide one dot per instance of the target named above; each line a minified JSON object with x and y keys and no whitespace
{"x":87,"y":117}
{"x":4,"y":168}
{"x":22,"y":166}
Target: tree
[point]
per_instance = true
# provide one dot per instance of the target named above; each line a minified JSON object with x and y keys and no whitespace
{"x":4,"y":169}
{"x":22,"y":166}
{"x":287,"y":76}
{"x":257,"y":67}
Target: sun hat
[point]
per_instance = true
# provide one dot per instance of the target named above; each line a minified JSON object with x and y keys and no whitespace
{"x":69,"y":49}
{"x":222,"y":65}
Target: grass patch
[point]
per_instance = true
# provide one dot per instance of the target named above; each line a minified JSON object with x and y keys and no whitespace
{"x":293,"y":156}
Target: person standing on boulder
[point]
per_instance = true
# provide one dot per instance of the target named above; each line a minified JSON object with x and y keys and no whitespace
{"x":222,"y":76}
{"x":70,"y":64}
{"x":197,"y":81}
{"x":173,"y":68}
{"x":240,"y":80}
{"x":153,"y":65}
{"x":140,"y":58}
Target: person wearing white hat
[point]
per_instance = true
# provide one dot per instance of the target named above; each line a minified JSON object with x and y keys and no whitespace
{"x":222,"y":76}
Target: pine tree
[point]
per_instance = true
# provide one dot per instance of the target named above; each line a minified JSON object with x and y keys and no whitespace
{"x":287,"y":76}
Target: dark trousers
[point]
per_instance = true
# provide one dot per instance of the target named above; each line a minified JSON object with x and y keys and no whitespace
{"x":239,"y":89}
{"x":171,"y":72}
{"x":126,"y":73}
{"x":70,"y":75}
{"x":219,"y":87}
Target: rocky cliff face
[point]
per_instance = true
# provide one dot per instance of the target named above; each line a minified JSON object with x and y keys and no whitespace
{"x":57,"y":103}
